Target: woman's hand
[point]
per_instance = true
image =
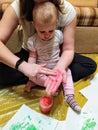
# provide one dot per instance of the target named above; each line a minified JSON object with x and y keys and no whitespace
{"x":31,"y":70}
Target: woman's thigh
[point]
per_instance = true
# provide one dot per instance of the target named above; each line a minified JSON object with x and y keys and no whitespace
{"x":82,"y":66}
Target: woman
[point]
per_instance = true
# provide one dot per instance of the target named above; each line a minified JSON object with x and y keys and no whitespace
{"x":21,"y":11}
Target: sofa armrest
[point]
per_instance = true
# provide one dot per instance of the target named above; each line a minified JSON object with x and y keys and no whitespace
{"x":17,"y":36}
{"x":84,"y":3}
{"x":3,"y":6}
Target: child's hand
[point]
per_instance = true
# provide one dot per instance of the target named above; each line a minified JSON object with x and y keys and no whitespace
{"x":53,"y":82}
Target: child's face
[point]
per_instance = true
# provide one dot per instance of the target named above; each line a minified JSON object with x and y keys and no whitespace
{"x":45,"y":32}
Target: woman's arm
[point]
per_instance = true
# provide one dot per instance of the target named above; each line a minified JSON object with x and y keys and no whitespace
{"x":8,"y":24}
{"x":65,"y":59}
{"x":67,"y":50}
{"x":68,"y":46}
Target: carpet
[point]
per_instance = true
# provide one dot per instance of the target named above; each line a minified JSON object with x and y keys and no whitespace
{"x":11,"y":99}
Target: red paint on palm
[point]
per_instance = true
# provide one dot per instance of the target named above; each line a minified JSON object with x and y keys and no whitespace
{"x":52,"y":83}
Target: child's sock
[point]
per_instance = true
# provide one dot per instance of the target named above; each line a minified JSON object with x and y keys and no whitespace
{"x":72,"y":103}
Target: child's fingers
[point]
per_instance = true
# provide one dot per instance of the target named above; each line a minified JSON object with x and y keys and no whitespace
{"x":48,"y":86}
{"x":46,"y":81}
{"x":49,"y":78}
{"x":56,"y":86}
{"x":54,"y":90}
{"x":53,"y":83}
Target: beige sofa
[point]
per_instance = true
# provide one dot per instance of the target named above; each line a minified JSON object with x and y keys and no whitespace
{"x":87,"y":25}
{"x":86,"y":30}
{"x":16,"y":38}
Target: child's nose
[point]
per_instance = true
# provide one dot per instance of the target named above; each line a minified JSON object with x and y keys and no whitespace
{"x":47,"y":35}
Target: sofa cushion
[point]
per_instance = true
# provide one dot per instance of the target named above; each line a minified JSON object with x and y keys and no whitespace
{"x":5,"y":3}
{"x":87,"y":16}
{"x":91,"y":3}
{"x":16,"y":37}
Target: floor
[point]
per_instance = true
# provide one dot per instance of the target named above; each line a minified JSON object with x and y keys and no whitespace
{"x":93,"y":56}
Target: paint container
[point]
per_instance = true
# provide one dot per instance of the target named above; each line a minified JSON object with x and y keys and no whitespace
{"x":46,"y":103}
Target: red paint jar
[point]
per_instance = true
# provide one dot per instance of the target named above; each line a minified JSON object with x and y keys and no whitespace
{"x":46,"y":103}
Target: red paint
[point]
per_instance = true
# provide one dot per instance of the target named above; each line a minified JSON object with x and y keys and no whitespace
{"x":46,"y":104}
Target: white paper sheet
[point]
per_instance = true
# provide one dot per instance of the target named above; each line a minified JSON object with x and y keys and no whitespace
{"x":88,"y":119}
{"x":28,"y":119}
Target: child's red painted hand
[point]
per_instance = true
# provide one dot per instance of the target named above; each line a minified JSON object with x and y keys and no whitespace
{"x":53,"y":82}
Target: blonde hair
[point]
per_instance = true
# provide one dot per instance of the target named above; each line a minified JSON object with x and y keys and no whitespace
{"x":44,"y":13}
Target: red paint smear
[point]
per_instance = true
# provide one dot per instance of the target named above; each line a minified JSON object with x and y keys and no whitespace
{"x":46,"y":101}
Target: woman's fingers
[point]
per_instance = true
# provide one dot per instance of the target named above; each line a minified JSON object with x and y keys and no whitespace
{"x":47,"y":71}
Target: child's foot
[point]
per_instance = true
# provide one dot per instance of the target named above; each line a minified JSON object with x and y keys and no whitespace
{"x":72,"y":103}
{"x":29,"y":86}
